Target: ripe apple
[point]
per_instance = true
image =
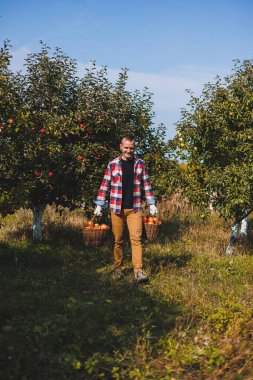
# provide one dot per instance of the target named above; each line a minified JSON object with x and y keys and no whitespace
{"x":81,"y":125}
{"x":99,"y":117}
{"x":10,"y":121}
{"x":90,"y":224}
{"x":37,"y":174}
{"x":42,"y":130}
{"x":104,"y":226}
{"x":105,"y":148}
{"x":80,"y":157}
{"x":98,"y":155}
{"x":145,"y":219}
{"x":50,"y":174}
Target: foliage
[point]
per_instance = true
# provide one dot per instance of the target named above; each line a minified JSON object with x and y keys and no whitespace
{"x":10,"y":102}
{"x":59,"y":131}
{"x":215,"y":139}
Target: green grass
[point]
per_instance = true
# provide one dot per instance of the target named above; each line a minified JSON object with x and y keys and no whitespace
{"x":64,"y":316}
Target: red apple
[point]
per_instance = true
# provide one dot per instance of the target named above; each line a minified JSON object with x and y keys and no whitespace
{"x":104,"y":226}
{"x":50,"y":174}
{"x":90,"y":224}
{"x":37,"y":174}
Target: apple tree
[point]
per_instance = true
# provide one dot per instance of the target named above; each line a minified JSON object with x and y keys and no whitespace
{"x":215,"y":139}
{"x":106,"y":112}
{"x":64,"y":129}
{"x":10,"y":104}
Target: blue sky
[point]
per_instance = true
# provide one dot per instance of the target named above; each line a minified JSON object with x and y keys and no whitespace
{"x":167,"y":45}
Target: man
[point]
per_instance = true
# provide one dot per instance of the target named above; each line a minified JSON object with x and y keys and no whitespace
{"x":125,"y":176}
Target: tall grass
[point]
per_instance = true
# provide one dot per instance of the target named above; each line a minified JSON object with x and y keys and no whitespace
{"x":64,"y":316}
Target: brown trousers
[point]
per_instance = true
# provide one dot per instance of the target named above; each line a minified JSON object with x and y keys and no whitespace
{"x":134,"y":224}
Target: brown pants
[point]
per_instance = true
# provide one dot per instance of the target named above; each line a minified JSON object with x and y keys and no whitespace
{"x":134,"y":224}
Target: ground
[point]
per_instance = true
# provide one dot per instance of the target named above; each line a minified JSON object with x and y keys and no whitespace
{"x":64,"y":316}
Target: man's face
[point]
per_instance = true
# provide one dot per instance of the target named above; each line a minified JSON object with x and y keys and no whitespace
{"x":127,"y":148}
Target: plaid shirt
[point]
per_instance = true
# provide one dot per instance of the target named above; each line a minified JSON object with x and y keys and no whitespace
{"x":113,"y":180}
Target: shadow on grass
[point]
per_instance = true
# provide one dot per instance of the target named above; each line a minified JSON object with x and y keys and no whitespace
{"x":52,"y":233}
{"x":60,"y":304}
{"x":173,"y":229}
{"x":170,"y":260}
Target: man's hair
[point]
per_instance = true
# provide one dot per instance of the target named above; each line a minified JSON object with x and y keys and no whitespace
{"x":127,"y":137}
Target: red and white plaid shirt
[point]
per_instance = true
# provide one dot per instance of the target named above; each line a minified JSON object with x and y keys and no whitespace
{"x":113,"y":180}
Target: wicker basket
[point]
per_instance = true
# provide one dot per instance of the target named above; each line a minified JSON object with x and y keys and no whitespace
{"x":152,"y":231}
{"x":93,"y":237}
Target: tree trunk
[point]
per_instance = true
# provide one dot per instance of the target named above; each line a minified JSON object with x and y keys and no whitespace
{"x":241,"y":227}
{"x":37,"y":219}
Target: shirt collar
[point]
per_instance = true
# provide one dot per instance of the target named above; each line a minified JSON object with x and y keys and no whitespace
{"x":120,"y":158}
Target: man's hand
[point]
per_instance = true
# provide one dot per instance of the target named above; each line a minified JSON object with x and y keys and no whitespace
{"x":98,"y":211}
{"x":153,"y":209}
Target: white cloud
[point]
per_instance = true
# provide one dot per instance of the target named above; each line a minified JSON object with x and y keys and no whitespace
{"x":18,"y":58}
{"x":169,"y":89}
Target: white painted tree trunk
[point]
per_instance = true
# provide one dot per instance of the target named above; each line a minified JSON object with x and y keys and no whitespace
{"x":241,"y":227}
{"x":37,"y":220}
